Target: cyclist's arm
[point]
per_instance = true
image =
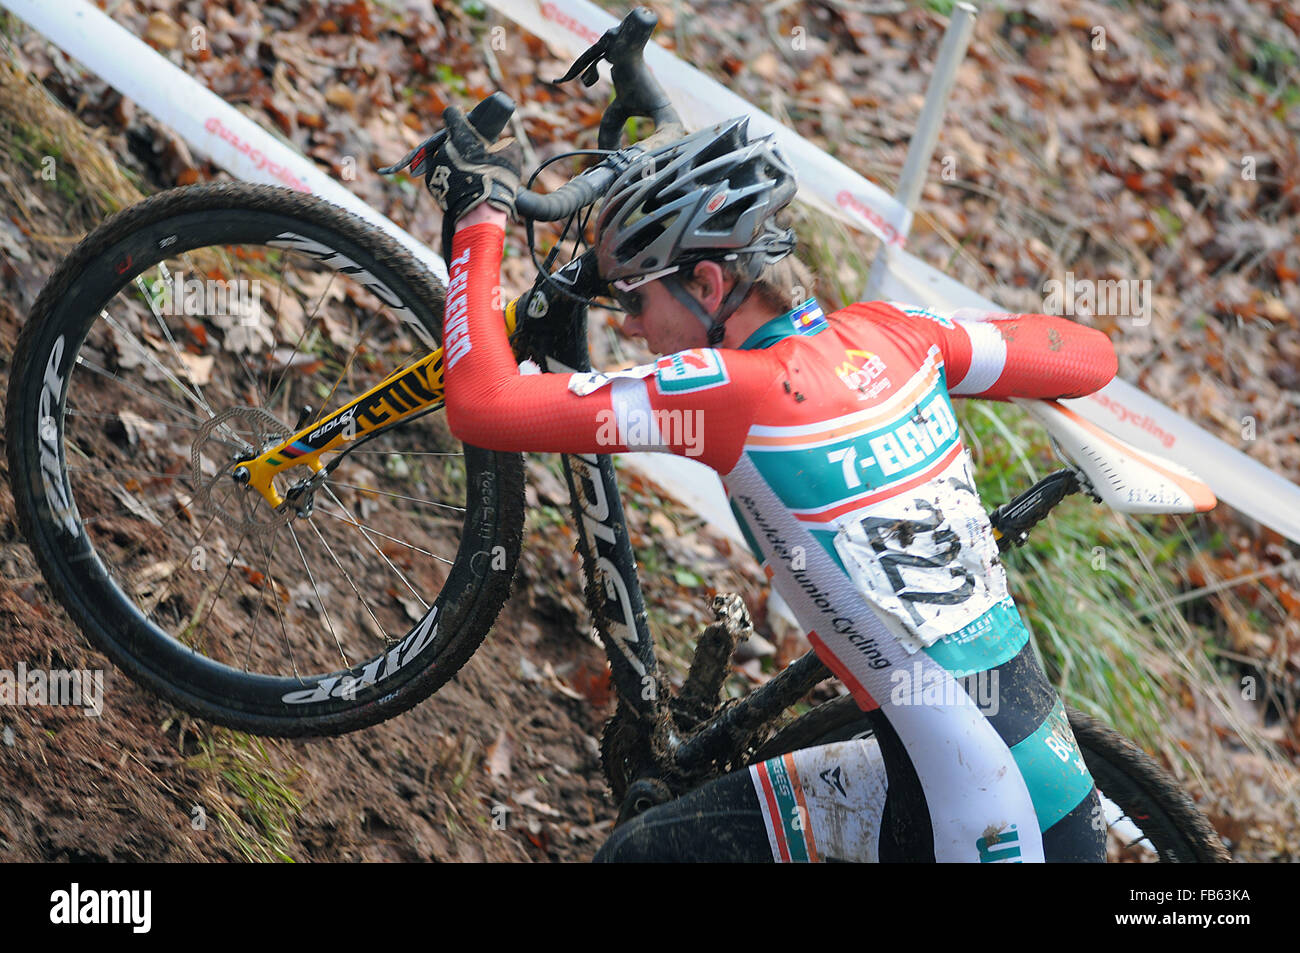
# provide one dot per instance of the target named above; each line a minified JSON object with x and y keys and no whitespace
{"x":490,"y":404}
{"x":997,"y":355}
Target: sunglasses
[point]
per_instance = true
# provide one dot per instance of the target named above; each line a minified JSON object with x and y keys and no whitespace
{"x":624,"y":290}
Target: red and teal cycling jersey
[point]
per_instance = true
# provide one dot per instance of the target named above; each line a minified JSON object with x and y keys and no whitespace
{"x":837,"y":444}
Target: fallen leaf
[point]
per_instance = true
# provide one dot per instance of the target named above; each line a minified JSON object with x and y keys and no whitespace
{"x":198,"y":367}
{"x":163,"y":32}
{"x":499,"y":754}
{"x":530,"y":800}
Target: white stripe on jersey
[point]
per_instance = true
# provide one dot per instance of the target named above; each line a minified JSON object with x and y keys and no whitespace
{"x":630,"y":401}
{"x":988,"y":356}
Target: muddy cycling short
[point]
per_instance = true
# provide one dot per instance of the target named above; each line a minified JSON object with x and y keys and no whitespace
{"x":860,"y":800}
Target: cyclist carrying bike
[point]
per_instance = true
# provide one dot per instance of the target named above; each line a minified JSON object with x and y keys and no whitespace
{"x":835,"y":438}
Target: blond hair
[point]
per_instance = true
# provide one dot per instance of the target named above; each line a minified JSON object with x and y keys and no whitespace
{"x":782,"y":285}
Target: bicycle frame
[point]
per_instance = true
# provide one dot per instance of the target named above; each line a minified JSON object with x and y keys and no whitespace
{"x":550,"y":325}
{"x":402,"y":395}
{"x":553,"y":331}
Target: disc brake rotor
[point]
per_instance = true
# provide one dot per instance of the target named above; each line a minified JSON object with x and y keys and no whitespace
{"x":255,"y":429}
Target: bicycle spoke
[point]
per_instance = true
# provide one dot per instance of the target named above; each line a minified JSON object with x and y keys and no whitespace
{"x":78,"y":412}
{"x":261,"y":604}
{"x":360,"y":598}
{"x":167,"y":278}
{"x":252,"y":379}
{"x":414,"y":453}
{"x":157,"y":364}
{"x":133,"y":472}
{"x":171,"y":581}
{"x":135,"y":550}
{"x":401,"y":542}
{"x":167,"y":333}
{"x":311,"y":319}
{"x":230,"y":564}
{"x":319,"y":600}
{"x":279,"y":611}
{"x":244,"y":446}
{"x":95,"y":368}
{"x":383,"y":555}
{"x":147,"y":504}
{"x":409,"y":499}
{"x":279,"y":296}
{"x":347,"y":366}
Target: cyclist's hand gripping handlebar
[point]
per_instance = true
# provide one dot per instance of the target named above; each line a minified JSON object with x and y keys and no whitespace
{"x":463,"y":168}
{"x":489,"y":117}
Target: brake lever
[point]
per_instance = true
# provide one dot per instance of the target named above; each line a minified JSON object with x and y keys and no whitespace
{"x":629,"y":37}
{"x":587,"y":64}
{"x":636,"y":92}
{"x":415,"y":160}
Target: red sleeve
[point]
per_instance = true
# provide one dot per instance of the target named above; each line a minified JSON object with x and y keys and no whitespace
{"x":696,"y":403}
{"x":998,"y":355}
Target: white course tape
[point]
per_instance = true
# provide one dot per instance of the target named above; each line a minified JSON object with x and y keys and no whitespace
{"x":208,"y":125}
{"x":1128,"y":413}
{"x":216,"y":130}
{"x":570,"y":26}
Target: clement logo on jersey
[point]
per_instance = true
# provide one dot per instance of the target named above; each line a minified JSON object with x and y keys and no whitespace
{"x":687,"y":371}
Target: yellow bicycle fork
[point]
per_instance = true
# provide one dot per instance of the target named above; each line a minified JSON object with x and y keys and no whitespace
{"x":401,"y":395}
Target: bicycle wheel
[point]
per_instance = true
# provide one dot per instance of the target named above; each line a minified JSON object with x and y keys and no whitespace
{"x":1156,"y":817}
{"x":205,"y":325}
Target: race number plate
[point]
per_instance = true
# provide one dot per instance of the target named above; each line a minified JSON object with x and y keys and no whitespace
{"x":926,"y":559}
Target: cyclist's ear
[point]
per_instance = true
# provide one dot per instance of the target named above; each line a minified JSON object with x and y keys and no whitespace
{"x":708,"y":282}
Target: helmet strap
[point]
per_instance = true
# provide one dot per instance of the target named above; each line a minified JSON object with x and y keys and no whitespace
{"x":715,"y":324}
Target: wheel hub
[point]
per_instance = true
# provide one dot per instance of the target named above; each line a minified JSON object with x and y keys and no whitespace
{"x":252,"y":429}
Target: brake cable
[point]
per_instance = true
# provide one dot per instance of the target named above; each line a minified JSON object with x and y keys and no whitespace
{"x":616,"y":158}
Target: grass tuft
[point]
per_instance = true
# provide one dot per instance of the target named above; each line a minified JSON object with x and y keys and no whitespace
{"x":48,"y":147}
{"x":255,"y":803}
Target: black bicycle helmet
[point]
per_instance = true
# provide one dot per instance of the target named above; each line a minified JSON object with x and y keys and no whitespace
{"x":711,"y":195}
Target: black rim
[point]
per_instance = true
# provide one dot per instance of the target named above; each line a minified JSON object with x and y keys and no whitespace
{"x":94,"y":590}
